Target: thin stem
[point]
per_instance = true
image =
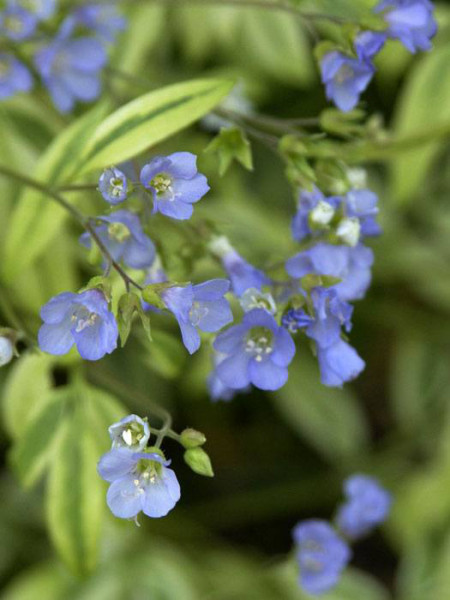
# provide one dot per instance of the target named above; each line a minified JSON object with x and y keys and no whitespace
{"x":86,"y":222}
{"x":107,"y":379}
{"x":80,"y":187}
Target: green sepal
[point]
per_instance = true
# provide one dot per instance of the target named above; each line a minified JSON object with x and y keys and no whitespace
{"x":347,"y":124}
{"x":191,"y":438}
{"x":199,"y":461}
{"x":310,"y":281}
{"x":99,"y":283}
{"x":152,"y":294}
{"x":129,"y":304}
{"x":231,"y":144}
{"x":323,"y":48}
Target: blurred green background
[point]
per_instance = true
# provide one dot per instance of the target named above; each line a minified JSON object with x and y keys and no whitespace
{"x":279,"y":457}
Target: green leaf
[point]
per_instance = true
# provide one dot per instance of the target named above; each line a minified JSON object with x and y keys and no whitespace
{"x":26,"y":389}
{"x":330,"y":419}
{"x":276,"y":44}
{"x":31,"y":453}
{"x":37,"y":218}
{"x":142,"y":123}
{"x":129,"y":304}
{"x":75,"y":495}
{"x":423,"y":106}
{"x":231,"y":144}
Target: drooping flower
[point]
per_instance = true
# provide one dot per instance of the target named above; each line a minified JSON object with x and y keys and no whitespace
{"x":16,"y":23}
{"x":314,"y":213}
{"x":104,"y":19}
{"x":330,"y":315}
{"x":200,"y":307}
{"x":410,"y":21}
{"x":351,"y":265}
{"x":14,"y":76}
{"x":242,"y":274}
{"x":368,"y":44}
{"x":339,"y":363}
{"x":295,"y":319}
{"x":140,"y":481}
{"x":217,"y":389}
{"x":70,"y":68}
{"x":322,"y":555}
{"x":174,"y":183}
{"x":345,"y":78}
{"x":6,"y":351}
{"x":113,"y":185}
{"x":367,"y":505}
{"x":258,"y":352}
{"x":81,"y":319}
{"x":131,"y":432}
{"x":123,"y":236}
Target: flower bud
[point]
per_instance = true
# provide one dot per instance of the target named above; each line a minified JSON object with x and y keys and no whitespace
{"x":6,"y":351}
{"x":199,"y":461}
{"x":322,"y":214}
{"x":191,"y":438}
{"x":348,"y":231}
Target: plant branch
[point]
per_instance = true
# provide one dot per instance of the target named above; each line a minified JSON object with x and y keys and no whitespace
{"x":86,"y":222}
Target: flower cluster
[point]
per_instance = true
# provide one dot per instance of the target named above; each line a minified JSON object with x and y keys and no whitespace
{"x":139,"y":477}
{"x":347,"y":75}
{"x":70,"y":62}
{"x":323,"y":550}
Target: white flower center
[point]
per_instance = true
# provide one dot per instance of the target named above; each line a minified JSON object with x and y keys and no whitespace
{"x":322,"y":213}
{"x":162,"y":183}
{"x":349,"y":230}
{"x":259,"y":343}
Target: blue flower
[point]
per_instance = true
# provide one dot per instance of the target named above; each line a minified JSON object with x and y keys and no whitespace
{"x":322,"y":555}
{"x":367,"y":506}
{"x":103,"y":19}
{"x":14,"y":76}
{"x":217,"y":389}
{"x":410,"y":21}
{"x":16,"y":23}
{"x":345,"y":78}
{"x":253,"y":298}
{"x":113,"y":185}
{"x":330,"y":314}
{"x":351,"y":265}
{"x":339,"y":363}
{"x":242,"y":274}
{"x":201,"y":307}
{"x":131,"y":432}
{"x":362,"y":205}
{"x":368,"y":44}
{"x":258,"y":352}
{"x":295,"y":319}
{"x":80,"y":319}
{"x":315,"y":210}
{"x":139,"y":482}
{"x":70,"y":68}
{"x":124,"y":238}
{"x":43,"y":9}
{"x":6,"y":351}
{"x":175,"y":184}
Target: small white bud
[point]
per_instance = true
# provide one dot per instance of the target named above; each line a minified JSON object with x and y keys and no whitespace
{"x":220,"y":246}
{"x":6,"y":351}
{"x":357,"y":178}
{"x":322,"y":214}
{"x":348,"y":231}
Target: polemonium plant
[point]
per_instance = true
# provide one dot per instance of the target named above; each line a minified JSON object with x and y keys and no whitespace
{"x":199,"y":307}
{"x":367,"y":506}
{"x":175,"y":184}
{"x":258,"y":352}
{"x":82,"y":319}
{"x":131,"y":432}
{"x":140,"y":482}
{"x":410,"y":21}
{"x":14,"y":76}
{"x":322,"y":555}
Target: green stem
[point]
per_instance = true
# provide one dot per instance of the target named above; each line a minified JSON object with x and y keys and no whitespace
{"x":86,"y":222}
{"x":13,"y":319}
